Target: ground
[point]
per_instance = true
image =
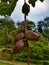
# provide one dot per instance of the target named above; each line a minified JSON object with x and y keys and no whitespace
{"x":3,"y":62}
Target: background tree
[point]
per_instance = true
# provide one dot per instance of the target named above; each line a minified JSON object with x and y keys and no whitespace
{"x":46,"y":35}
{"x":43,"y":24}
{"x":46,"y":22}
{"x":46,"y":29}
{"x":6,"y":26}
{"x":39,"y":26}
{"x":30,"y":24}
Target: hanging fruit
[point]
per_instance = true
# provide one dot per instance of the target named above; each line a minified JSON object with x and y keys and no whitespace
{"x":25,"y":8}
{"x":18,"y":37}
{"x":19,"y":46}
{"x":32,"y":36}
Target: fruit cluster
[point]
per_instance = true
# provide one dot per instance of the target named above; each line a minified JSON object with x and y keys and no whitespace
{"x":20,"y":39}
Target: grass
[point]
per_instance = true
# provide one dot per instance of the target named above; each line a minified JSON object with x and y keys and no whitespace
{"x":36,"y":62}
{"x":23,"y":63}
{"x":12,"y":62}
{"x":2,"y":63}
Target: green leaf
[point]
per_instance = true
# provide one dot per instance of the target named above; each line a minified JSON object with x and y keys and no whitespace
{"x":32,"y":2}
{"x":41,"y":0}
{"x":7,"y":7}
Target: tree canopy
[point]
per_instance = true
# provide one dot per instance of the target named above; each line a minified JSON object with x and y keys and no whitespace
{"x":32,"y":2}
{"x":43,"y":24}
{"x":30,"y":24}
{"x":7,"y":24}
{"x":7,"y":6}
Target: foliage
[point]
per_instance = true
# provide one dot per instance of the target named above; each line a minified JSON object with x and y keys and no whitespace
{"x":30,"y":24}
{"x":46,"y":33}
{"x":40,"y":24}
{"x":2,"y":63}
{"x":32,"y":2}
{"x":7,"y":7}
{"x":43,"y":24}
{"x":43,"y":27}
{"x":2,"y":37}
{"x":7,"y":24}
{"x":38,"y":50}
{"x":12,"y":34}
{"x":11,"y":37}
{"x":46,"y":22}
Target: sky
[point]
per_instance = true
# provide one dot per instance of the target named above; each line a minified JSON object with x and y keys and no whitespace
{"x":39,"y":12}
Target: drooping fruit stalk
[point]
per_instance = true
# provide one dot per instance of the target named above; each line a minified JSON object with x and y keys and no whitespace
{"x":25,"y":10}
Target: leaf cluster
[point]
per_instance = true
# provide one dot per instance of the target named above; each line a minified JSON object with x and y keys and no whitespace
{"x":7,"y":7}
{"x":32,"y":2}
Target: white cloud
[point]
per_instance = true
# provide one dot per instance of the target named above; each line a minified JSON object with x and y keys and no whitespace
{"x":17,"y":14}
{"x":40,"y":8}
{"x":39,"y":11}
